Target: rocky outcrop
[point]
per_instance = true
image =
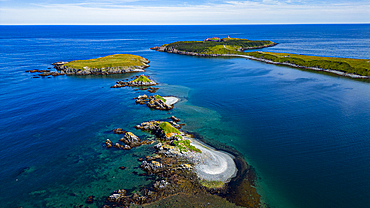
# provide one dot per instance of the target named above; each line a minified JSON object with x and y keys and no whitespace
{"x":130,"y":141}
{"x":119,"y":131}
{"x":155,"y":128}
{"x":139,"y":81}
{"x":158,"y":104}
{"x":99,"y":71}
{"x":155,"y":102}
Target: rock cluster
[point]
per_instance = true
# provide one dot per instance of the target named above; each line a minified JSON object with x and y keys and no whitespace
{"x":154,"y":128}
{"x":130,"y":140}
{"x":45,"y":73}
{"x":153,"y":102}
{"x":134,"y":83}
{"x":119,"y":131}
{"x":36,"y":70}
{"x":151,"y":167}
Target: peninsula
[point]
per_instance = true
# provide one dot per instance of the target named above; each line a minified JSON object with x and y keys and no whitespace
{"x":112,"y":64}
{"x":353,"y":68}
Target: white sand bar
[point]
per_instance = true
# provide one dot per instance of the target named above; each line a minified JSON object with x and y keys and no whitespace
{"x":171,"y":100}
{"x":212,"y":165}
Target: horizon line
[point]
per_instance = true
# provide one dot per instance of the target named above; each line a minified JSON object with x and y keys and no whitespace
{"x":202,"y":24}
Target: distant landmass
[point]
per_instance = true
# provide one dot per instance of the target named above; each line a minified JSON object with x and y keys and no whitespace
{"x":354,"y":68}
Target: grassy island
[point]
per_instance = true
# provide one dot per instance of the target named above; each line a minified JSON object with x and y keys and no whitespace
{"x":215,"y":45}
{"x":117,"y":60}
{"x":112,"y":64}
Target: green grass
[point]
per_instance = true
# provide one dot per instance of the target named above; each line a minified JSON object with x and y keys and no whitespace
{"x":210,"y":47}
{"x":159,"y":98}
{"x":212,"y":184}
{"x":142,"y":78}
{"x":117,"y":60}
{"x":348,"y":65}
{"x":184,"y":145}
{"x":168,"y":128}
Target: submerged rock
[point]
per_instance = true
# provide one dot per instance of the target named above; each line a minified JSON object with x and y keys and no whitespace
{"x":90,"y":200}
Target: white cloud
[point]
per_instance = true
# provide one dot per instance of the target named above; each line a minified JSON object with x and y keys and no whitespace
{"x":231,"y":12}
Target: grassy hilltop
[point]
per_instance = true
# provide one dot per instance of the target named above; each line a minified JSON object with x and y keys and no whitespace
{"x":223,"y":46}
{"x":117,"y":60}
{"x":348,"y":65}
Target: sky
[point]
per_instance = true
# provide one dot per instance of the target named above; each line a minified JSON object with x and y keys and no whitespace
{"x":182,"y":12}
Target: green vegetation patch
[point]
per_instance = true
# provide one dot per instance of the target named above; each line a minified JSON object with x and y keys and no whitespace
{"x":228,"y":45}
{"x":117,"y":60}
{"x":158,"y":97}
{"x":212,"y":184}
{"x":184,"y":145}
{"x":142,"y":78}
{"x":168,"y":128}
{"x":353,"y":66}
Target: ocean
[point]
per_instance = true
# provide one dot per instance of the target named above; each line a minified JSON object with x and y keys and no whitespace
{"x":306,"y":134}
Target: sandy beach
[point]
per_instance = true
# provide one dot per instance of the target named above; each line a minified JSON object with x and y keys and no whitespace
{"x":171,"y":100}
{"x":211,"y":164}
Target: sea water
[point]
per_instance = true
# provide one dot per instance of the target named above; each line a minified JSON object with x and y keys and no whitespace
{"x":305,"y":133}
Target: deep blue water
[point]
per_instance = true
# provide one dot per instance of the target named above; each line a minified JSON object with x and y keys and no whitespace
{"x":306,"y":134}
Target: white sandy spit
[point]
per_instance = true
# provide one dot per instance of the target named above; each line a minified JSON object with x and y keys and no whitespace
{"x":212,"y":165}
{"x":171,"y":100}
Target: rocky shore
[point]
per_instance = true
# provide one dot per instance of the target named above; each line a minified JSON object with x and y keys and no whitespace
{"x":182,"y":165}
{"x":340,"y":73}
{"x":98,"y":71}
{"x":111,"y":66}
{"x":157,"y":102}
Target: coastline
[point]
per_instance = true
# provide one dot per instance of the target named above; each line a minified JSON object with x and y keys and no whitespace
{"x":340,"y":73}
{"x":183,"y":164}
{"x":336,"y":72}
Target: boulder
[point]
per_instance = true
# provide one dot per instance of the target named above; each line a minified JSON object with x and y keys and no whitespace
{"x":173,"y":118}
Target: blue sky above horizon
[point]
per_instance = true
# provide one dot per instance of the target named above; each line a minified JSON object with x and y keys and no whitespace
{"x":149,"y":12}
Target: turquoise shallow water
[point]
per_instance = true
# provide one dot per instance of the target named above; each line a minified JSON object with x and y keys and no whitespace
{"x":306,"y":134}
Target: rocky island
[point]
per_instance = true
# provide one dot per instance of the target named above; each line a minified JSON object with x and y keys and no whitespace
{"x":157,"y":102}
{"x":213,"y":46}
{"x":138,"y":81}
{"x":112,"y":64}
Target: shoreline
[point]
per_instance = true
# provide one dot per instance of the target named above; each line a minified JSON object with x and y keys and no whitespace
{"x":336,"y":72}
{"x":354,"y":76}
{"x":212,"y":164}
{"x":170,"y":100}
